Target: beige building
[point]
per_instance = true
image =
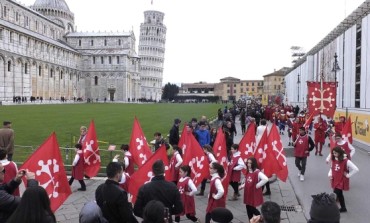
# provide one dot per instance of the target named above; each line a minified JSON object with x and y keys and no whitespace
{"x":274,"y":82}
{"x":197,"y":89}
{"x":231,"y":88}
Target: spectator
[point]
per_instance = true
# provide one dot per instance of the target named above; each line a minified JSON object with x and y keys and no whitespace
{"x":8,"y":202}
{"x":161,"y":190}
{"x":159,"y":141}
{"x":154,"y":212}
{"x":222,"y":215}
{"x":34,"y":207}
{"x":78,"y":168}
{"x":7,"y":139}
{"x":11,"y":169}
{"x":270,"y":213}
{"x":324,"y":209}
{"x":203,"y":135}
{"x":175,"y":133}
{"x":91,"y":213}
{"x":113,"y":200}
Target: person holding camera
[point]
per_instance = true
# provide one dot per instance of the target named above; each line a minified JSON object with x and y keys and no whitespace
{"x":9,"y":202}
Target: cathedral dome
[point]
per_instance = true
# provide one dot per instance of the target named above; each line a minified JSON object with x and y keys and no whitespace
{"x":52,"y":4}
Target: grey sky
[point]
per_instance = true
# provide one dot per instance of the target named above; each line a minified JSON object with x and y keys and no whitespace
{"x":211,"y":39}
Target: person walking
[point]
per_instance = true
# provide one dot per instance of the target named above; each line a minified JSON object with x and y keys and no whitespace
{"x":159,"y":189}
{"x":235,"y":168}
{"x":175,"y":163}
{"x":211,"y":159}
{"x":347,"y":147}
{"x":78,"y":168}
{"x":320,"y":129}
{"x":174,"y":132}
{"x":302,"y":147}
{"x":7,"y":139}
{"x":340,"y":172}
{"x":216,"y":190}
{"x":187,"y":191}
{"x":128,"y":161}
{"x":254,"y":180}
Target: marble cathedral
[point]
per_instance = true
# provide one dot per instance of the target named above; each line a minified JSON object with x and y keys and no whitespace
{"x":43,"y":56}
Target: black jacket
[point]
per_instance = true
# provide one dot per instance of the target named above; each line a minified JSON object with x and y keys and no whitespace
{"x":161,"y":190}
{"x":112,"y":200}
{"x":174,"y":135}
{"x":9,"y":202}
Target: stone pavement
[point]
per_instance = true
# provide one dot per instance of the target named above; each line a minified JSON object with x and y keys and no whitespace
{"x":281,"y":193}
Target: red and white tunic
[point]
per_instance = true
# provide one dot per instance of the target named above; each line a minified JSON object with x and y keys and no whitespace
{"x":11,"y":171}
{"x":129,"y":163}
{"x":301,"y":146}
{"x":78,"y":166}
{"x":235,"y":166}
{"x":175,"y":164}
{"x":339,"y":173}
{"x":216,"y":194}
{"x":347,"y":148}
{"x":187,"y":190}
{"x":253,"y":187}
{"x":125,"y":181}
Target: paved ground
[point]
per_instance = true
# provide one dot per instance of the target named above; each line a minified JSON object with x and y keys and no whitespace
{"x":282,"y":193}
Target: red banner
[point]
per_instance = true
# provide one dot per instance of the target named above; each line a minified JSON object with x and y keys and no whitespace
{"x":322,"y":100}
{"x":91,"y":152}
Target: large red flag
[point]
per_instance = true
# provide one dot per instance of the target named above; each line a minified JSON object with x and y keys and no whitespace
{"x":308,"y":121}
{"x":91,"y":152}
{"x":47,"y":164}
{"x":322,"y":100}
{"x":194,"y":156}
{"x":265,"y":157}
{"x":139,"y":147}
{"x":144,"y":174}
{"x":220,"y":151}
{"x":247,"y":144}
{"x":347,"y":131}
{"x":278,"y":149}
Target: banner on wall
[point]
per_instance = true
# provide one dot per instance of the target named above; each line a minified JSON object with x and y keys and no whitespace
{"x":321,"y":101}
{"x":360,"y":125}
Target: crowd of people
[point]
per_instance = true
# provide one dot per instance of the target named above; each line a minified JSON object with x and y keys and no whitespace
{"x":159,"y":200}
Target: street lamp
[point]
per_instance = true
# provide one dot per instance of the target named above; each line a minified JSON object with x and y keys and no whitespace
{"x":335,"y":68}
{"x":298,"y":84}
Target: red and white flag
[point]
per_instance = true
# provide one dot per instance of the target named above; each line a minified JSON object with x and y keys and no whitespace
{"x":144,"y":174}
{"x":220,"y":151}
{"x":47,"y":164}
{"x":278,"y":150}
{"x":139,"y":147}
{"x":322,"y":100}
{"x":265,"y":157}
{"x":91,"y":152}
{"x":347,"y":131}
{"x":194,"y":156}
{"x":308,"y":121}
{"x":247,"y":144}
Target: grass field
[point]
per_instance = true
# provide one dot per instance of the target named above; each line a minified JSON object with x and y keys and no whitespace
{"x":113,"y":122}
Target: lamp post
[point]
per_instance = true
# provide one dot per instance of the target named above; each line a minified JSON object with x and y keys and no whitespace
{"x":335,"y":68}
{"x":298,"y":84}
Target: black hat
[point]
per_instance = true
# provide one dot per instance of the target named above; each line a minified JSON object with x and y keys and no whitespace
{"x":177,"y":121}
{"x":7,"y":122}
{"x":221,"y":215}
{"x":324,"y":208}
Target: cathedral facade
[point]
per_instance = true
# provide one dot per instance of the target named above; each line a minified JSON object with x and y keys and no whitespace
{"x":43,"y":56}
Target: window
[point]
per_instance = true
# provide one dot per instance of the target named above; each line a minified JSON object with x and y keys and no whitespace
{"x":252,"y":83}
{"x":37,"y":25}
{"x":234,"y":91}
{"x":25,"y":68}
{"x":61,"y":75}
{"x":92,"y":43}
{"x":117,"y":59}
{"x":96,"y":80}
{"x":105,"y":42}
{"x":1,"y":34}
{"x":9,"y":66}
{"x":110,"y":59}
{"x":5,"y":11}
{"x":234,"y":85}
{"x":119,"y":42}
{"x":241,"y":84}
{"x":79,"y":42}
{"x":228,"y":85}
{"x":252,"y":89}
{"x":93,"y":60}
{"x":11,"y":37}
{"x":40,"y":71}
{"x":247,"y":89}
{"x":228,"y":91}
{"x":102,"y":60}
{"x":16,"y":17}
{"x":70,"y":76}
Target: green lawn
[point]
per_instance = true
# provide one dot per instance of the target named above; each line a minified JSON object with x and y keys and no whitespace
{"x":113,"y":122}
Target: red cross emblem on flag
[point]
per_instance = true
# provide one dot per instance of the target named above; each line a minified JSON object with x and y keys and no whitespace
{"x":322,"y":99}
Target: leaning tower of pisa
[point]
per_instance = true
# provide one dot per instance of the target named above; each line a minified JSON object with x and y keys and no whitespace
{"x":151,"y":51}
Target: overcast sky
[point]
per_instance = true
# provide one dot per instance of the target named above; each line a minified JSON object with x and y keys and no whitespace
{"x":211,"y":39}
